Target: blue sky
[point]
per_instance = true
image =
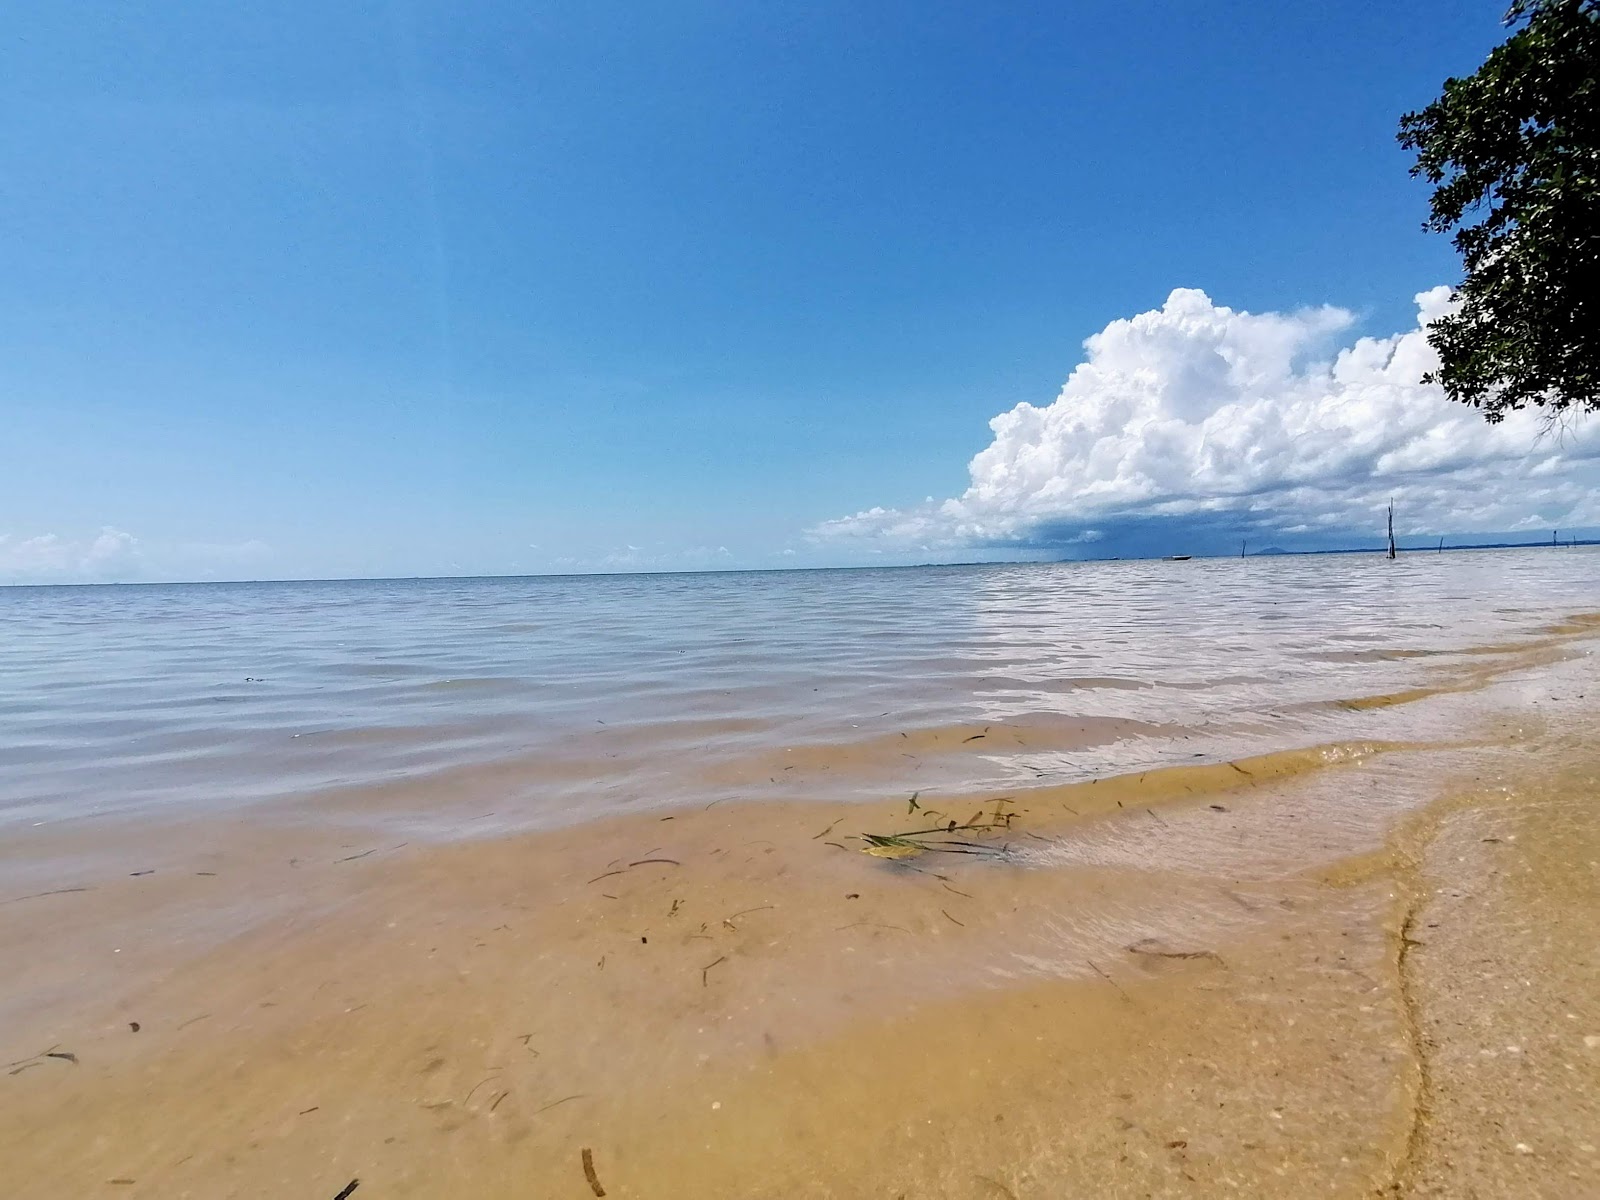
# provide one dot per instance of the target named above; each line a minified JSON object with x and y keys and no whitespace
{"x":326,"y":289}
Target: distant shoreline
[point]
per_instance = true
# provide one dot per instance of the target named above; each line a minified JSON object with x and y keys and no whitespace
{"x":1269,"y":552}
{"x":1437,"y":548}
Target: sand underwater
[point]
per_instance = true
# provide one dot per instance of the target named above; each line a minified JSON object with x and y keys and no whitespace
{"x":1358,"y":968}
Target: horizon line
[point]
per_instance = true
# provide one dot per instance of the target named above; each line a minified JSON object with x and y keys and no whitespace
{"x":1269,"y":552}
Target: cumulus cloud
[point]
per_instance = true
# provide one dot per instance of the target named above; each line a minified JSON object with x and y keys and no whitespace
{"x":115,"y":556}
{"x":1200,"y":414}
{"x":49,"y":558}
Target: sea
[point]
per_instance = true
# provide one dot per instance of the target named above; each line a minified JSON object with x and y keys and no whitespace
{"x":548,"y":701}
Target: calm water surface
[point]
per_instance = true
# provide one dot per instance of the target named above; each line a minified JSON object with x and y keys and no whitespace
{"x":548,"y":700}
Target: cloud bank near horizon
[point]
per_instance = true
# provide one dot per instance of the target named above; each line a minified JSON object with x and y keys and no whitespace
{"x":49,"y":558}
{"x":115,"y":556}
{"x":1198,"y":416}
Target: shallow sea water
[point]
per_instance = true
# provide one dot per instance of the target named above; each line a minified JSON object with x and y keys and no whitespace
{"x":563,"y":699}
{"x":436,"y":886}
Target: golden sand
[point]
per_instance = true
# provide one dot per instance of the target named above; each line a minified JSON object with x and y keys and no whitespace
{"x":1339,"y":971}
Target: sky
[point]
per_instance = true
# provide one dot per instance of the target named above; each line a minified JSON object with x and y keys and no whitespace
{"x":331,"y":290}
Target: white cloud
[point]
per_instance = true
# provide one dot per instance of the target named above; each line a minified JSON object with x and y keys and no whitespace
{"x":48,"y":558}
{"x":656,"y":557}
{"x":115,"y":556}
{"x":1197,"y":413}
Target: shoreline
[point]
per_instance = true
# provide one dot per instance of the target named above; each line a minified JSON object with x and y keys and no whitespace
{"x":1498,"y":967}
{"x":1376,"y":551}
{"x":1213,"y":978}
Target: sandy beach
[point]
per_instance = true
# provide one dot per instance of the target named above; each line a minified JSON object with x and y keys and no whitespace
{"x":826,"y":601}
{"x":1354,"y":968}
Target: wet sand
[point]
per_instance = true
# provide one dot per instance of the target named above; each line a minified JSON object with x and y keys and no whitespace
{"x":1343,"y":970}
{"x":1502,"y":980}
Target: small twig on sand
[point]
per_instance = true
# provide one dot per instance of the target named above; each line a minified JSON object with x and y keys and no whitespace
{"x":465,"y":1100}
{"x":55,"y":892}
{"x":553,"y":1103}
{"x":1109,"y":980}
{"x":705,"y":969}
{"x":33,"y":1060}
{"x":589,"y":1172}
{"x":1152,"y":948}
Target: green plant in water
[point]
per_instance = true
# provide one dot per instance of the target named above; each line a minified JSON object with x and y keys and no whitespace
{"x":937,"y":840}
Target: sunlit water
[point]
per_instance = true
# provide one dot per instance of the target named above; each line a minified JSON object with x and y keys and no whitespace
{"x":224,"y":809}
{"x":549,"y":700}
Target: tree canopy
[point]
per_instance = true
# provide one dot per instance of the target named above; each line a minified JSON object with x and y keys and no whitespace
{"x":1513,"y":152}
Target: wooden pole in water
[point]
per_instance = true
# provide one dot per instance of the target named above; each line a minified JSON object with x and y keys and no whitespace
{"x":1391,"y":529}
{"x":1241,"y":548}
{"x":1441,"y":545}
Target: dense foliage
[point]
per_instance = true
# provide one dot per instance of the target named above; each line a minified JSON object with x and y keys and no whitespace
{"x":1515,"y":148}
